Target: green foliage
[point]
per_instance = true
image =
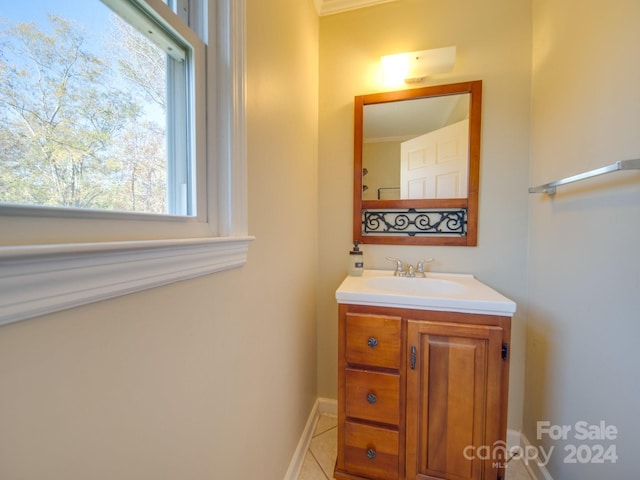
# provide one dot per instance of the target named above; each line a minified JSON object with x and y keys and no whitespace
{"x":73,"y":131}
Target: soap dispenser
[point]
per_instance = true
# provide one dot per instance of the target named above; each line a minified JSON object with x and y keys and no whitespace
{"x":356,"y":261}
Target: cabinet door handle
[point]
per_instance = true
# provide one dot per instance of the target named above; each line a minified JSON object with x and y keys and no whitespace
{"x":413,"y":357}
{"x":371,"y":453}
{"x":372,"y":342}
{"x":371,"y":398}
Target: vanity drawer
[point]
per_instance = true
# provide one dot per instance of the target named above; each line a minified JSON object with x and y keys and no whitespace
{"x":373,"y":396}
{"x":371,"y":451}
{"x":373,"y":340}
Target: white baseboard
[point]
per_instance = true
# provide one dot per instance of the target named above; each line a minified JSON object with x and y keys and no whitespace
{"x":322,"y":406}
{"x":328,"y":406}
{"x":513,"y":438}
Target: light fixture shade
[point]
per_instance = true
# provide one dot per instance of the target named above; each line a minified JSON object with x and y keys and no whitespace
{"x":415,"y":66}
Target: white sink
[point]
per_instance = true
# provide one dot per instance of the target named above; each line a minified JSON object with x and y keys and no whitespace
{"x":437,"y":291}
{"x":415,"y":286}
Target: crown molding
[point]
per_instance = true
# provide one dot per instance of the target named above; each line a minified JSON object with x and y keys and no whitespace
{"x":329,"y":7}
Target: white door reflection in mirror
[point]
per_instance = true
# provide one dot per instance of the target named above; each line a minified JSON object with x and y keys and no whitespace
{"x":435,"y":165}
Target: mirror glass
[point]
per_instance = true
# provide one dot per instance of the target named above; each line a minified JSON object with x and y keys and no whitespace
{"x":416,"y":149}
{"x":416,"y":156}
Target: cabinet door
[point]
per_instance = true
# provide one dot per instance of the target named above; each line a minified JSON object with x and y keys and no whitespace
{"x":453,"y":400}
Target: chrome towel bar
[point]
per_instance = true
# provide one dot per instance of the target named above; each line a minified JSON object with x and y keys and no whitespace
{"x":550,"y":188}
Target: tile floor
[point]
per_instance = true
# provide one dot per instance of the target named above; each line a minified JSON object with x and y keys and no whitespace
{"x":323,"y":450}
{"x":321,"y":456}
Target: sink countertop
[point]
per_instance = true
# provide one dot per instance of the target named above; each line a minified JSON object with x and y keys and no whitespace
{"x":450,"y":292}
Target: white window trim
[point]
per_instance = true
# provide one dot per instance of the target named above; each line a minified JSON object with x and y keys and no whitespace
{"x":41,"y":279}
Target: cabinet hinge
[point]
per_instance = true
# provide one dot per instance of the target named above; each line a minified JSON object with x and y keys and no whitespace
{"x":505,"y":354}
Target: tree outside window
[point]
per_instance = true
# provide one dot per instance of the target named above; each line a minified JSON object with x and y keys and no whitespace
{"x":83,"y":116}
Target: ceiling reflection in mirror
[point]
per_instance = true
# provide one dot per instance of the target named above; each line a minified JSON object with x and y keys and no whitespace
{"x":416,"y":149}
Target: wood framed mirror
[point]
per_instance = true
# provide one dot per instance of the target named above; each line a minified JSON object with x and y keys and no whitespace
{"x":417,"y":164}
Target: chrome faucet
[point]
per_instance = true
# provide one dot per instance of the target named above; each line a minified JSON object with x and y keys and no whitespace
{"x":399,"y":271}
{"x":408,"y":270}
{"x":420,"y":268}
{"x":411,"y":272}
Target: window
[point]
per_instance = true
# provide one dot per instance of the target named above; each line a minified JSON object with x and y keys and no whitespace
{"x":201,"y":228}
{"x":98,"y":107}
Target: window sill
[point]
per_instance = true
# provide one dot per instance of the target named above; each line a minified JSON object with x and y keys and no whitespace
{"x":40,"y":279}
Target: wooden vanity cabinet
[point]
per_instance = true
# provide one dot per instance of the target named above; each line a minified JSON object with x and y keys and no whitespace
{"x":419,"y":392}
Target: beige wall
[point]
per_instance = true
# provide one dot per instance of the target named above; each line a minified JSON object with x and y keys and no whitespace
{"x":211,"y":378}
{"x":382,"y":160}
{"x":584,"y":299}
{"x":493,"y":40}
{"x":214,"y":377}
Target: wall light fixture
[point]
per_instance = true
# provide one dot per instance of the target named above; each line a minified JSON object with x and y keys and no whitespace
{"x":413,"y":67}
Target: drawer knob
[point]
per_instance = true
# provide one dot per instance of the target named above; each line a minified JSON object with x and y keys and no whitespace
{"x":372,"y":342}
{"x":371,"y":453}
{"x":371,"y":398}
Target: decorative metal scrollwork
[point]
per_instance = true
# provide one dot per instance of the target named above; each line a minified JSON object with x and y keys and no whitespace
{"x":414,"y":222}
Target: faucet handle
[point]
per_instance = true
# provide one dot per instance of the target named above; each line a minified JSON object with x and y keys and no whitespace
{"x":420,"y":266}
{"x":399,"y":271}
